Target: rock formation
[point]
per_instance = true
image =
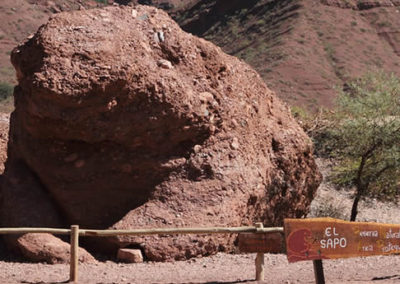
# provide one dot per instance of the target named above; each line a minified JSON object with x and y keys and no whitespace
{"x":122,"y":120}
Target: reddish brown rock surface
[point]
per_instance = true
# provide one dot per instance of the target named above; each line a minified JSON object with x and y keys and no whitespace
{"x":130,"y":255}
{"x":46,"y":247}
{"x":123,"y":120}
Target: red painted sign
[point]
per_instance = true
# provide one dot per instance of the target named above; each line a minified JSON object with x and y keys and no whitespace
{"x":327,"y":238}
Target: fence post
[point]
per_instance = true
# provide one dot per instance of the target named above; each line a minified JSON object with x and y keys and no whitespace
{"x":259,"y":260}
{"x":73,"y":272}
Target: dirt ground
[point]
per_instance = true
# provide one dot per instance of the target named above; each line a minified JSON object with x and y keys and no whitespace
{"x":221,"y":268}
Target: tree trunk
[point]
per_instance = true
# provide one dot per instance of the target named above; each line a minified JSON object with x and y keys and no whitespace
{"x":354,"y":210}
{"x":360,"y":189}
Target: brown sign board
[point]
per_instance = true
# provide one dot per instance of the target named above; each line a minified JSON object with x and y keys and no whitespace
{"x":261,"y":242}
{"x":327,"y":238}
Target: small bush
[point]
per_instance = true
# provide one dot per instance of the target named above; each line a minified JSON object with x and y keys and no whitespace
{"x":328,"y":207}
{"x":317,"y":126}
{"x":300,"y":114}
{"x":6,"y":90}
{"x":384,"y":24}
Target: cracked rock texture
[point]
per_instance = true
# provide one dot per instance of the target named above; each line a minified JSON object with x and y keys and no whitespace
{"x":123,"y":120}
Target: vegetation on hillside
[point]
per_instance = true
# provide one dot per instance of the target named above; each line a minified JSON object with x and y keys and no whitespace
{"x":6,"y":91}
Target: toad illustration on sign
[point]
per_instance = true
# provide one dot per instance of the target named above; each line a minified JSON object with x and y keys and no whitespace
{"x":299,"y":244}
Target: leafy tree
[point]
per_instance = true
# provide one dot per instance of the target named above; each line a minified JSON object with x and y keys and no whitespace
{"x":365,"y":137}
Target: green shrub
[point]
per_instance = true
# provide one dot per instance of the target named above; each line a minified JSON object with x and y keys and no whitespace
{"x":6,"y":90}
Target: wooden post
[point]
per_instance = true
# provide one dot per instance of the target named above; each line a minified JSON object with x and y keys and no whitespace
{"x":73,"y":272}
{"x":259,"y":260}
{"x":319,"y":271}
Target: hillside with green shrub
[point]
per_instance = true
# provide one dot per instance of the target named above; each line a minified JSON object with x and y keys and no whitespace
{"x":302,"y":49}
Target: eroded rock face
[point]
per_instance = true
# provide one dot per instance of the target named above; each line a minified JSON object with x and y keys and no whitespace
{"x":123,"y":120}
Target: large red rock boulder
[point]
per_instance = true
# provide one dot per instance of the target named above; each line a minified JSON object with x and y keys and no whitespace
{"x":123,"y":120}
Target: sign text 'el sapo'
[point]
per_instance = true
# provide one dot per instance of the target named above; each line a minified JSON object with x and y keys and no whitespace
{"x":327,"y":238}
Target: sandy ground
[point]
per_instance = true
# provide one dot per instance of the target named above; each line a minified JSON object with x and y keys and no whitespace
{"x":221,"y":268}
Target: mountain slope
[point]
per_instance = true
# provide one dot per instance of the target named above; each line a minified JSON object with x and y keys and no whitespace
{"x":14,"y":28}
{"x":303,"y":48}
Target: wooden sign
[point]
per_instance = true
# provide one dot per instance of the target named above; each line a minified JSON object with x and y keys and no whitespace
{"x":327,"y":238}
{"x":256,"y":242}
